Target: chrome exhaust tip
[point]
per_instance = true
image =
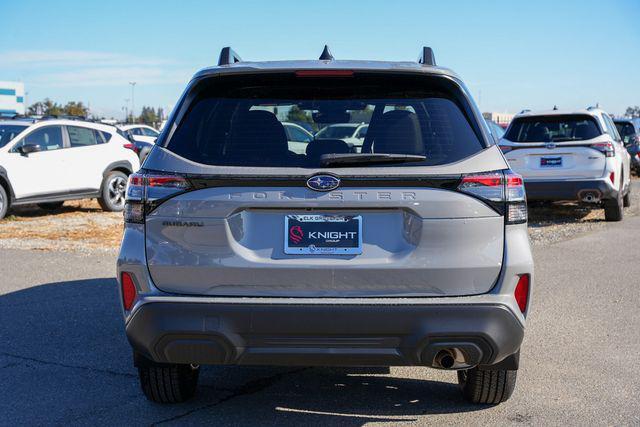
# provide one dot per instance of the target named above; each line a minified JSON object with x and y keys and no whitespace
{"x":590,"y":196}
{"x":445,"y":359}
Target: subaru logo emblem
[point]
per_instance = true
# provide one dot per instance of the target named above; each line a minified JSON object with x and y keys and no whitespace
{"x":323,"y":182}
{"x":550,"y":146}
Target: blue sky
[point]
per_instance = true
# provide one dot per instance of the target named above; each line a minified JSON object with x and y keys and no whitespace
{"x":512,"y":54}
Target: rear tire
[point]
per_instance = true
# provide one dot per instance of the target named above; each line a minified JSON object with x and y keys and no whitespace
{"x":487,"y":387}
{"x":168,"y":383}
{"x":112,"y":192}
{"x":626,"y":200}
{"x":613,"y":208}
{"x":4,"y":202}
{"x":51,"y":206}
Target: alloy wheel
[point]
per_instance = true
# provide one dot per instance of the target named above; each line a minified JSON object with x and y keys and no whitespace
{"x":117,"y":187}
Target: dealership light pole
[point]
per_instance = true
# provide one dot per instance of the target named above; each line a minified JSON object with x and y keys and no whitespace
{"x":126,"y":110}
{"x":133,"y":102}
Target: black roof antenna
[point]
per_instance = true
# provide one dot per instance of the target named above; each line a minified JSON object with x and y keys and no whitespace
{"x":326,"y":54}
{"x":427,"y":57}
{"x":555,"y":108}
{"x":228,"y":56}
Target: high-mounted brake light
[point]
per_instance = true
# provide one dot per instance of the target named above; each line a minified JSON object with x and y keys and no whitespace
{"x":505,"y":148}
{"x":503,"y":190}
{"x":324,"y":73}
{"x":521,"y":292}
{"x":604,"y":147}
{"x":129,"y":292}
{"x":146,"y":191}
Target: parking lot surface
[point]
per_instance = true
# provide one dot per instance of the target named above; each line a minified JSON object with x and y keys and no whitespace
{"x":64,"y":358}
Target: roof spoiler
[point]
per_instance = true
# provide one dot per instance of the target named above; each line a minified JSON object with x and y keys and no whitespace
{"x":228,"y":56}
{"x":427,"y":57}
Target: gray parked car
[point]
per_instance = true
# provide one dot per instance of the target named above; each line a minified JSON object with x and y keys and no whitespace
{"x":413,"y":250}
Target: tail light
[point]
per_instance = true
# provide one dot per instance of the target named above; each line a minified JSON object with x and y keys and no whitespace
{"x":502,"y":190}
{"x":129,"y":292}
{"x":131,"y":146}
{"x":521,"y":292}
{"x":604,"y":147}
{"x":145,"y":191}
{"x":612,"y":177}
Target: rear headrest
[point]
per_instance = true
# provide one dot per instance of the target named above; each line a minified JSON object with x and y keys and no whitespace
{"x":585,"y":131}
{"x":319,"y":147}
{"x":539,"y":133}
{"x":258,"y":134}
{"x":398,"y":132}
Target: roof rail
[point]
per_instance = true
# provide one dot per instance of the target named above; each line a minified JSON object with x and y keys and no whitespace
{"x":326,"y":54}
{"x":427,"y":57}
{"x":63,"y":117}
{"x":524,"y":111}
{"x":228,"y":56}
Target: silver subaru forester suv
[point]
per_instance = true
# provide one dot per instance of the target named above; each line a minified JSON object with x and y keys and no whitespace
{"x":248,"y":245}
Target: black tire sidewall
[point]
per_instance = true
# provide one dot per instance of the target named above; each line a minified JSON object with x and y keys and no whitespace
{"x":613,"y":208}
{"x":4,"y":208}
{"x":626,"y":200}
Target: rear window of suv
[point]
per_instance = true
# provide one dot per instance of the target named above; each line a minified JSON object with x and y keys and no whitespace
{"x":238,"y":120}
{"x":553,"y":129}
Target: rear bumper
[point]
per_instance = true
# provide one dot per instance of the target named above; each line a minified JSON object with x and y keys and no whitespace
{"x":569,"y":189}
{"x":323,"y":334}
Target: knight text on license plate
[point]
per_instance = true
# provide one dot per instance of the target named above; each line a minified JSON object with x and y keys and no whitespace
{"x":323,"y":234}
{"x":551,"y":162}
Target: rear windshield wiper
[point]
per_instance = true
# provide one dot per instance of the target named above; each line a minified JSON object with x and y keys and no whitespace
{"x":359,"y":159}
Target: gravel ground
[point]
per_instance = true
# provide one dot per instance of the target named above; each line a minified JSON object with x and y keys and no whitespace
{"x":557,"y":222}
{"x":82,"y":227}
{"x":78,"y":226}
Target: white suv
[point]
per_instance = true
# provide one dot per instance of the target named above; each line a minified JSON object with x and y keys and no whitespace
{"x":141,"y":133}
{"x":570,"y":155}
{"x":51,"y":161}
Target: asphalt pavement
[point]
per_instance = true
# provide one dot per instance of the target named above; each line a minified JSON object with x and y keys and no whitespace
{"x":64,"y":358}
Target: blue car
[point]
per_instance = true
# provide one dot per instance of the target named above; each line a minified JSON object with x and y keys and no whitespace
{"x":629,"y":130}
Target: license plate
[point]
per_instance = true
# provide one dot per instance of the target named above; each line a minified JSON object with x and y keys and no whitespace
{"x":323,"y":234}
{"x":551,"y":162}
